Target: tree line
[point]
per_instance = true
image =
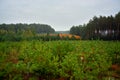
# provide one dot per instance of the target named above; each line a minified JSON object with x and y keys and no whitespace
{"x":18,"y":32}
{"x":21,"y":32}
{"x":102,"y":27}
{"x":37,"y":28}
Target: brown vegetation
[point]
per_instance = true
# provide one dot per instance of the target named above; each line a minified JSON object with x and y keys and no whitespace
{"x":69,"y":36}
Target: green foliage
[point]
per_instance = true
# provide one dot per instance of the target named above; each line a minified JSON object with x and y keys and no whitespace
{"x":102,"y":27}
{"x":20,"y":32}
{"x":57,"y":59}
{"x":16,"y":28}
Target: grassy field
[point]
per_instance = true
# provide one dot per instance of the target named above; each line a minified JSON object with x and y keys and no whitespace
{"x":59,"y":60}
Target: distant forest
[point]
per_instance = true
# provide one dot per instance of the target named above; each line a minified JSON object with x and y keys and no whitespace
{"x":37,"y":28}
{"x":102,"y":27}
{"x":18,"y":32}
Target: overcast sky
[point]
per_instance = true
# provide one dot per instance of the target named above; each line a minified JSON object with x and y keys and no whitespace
{"x":60,"y":14}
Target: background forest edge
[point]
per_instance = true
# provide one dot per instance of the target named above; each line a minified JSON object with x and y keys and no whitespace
{"x":105,"y":28}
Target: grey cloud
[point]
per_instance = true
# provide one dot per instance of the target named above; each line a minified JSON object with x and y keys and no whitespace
{"x":60,"y":14}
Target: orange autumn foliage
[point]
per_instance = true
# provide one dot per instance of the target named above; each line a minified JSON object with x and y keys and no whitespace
{"x":115,"y":67}
{"x":69,"y":36}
